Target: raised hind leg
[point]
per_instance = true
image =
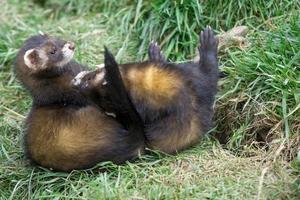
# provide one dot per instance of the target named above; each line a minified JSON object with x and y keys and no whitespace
{"x":208,"y":51}
{"x":155,"y":54}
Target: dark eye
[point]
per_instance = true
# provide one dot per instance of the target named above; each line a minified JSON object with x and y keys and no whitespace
{"x":53,"y":51}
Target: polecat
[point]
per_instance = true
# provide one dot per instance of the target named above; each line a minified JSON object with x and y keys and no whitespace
{"x":64,"y":130}
{"x":175,"y":101}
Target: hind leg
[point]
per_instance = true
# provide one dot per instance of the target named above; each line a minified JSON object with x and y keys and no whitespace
{"x":208,"y":51}
{"x":155,"y":54}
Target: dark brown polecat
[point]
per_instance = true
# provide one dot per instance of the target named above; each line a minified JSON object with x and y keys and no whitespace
{"x":64,"y":130}
{"x":175,"y":101}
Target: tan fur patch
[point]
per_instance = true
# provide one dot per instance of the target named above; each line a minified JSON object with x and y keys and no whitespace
{"x":84,"y":135}
{"x":157,"y":85}
{"x":66,"y":140}
{"x":179,"y":140}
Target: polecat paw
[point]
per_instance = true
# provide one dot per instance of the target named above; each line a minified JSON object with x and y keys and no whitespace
{"x":208,"y":42}
{"x":155,"y":53}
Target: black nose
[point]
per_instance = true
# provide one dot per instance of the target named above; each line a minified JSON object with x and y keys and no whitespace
{"x":71,"y":45}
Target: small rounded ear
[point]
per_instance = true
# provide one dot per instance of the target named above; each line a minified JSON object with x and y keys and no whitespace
{"x":44,"y":34}
{"x":31,"y":58}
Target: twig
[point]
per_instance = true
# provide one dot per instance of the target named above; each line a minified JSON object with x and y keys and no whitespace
{"x":14,"y":112}
{"x":265,"y":170}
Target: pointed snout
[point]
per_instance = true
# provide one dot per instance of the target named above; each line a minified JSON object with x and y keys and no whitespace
{"x":71,"y":45}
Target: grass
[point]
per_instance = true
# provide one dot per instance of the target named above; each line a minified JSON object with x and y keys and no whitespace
{"x":267,"y":77}
{"x":257,"y":109}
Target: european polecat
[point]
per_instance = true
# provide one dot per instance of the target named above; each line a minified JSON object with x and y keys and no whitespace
{"x":64,"y":130}
{"x":175,"y":101}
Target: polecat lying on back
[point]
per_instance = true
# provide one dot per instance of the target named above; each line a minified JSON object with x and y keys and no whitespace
{"x":64,"y":131}
{"x":174,"y":100}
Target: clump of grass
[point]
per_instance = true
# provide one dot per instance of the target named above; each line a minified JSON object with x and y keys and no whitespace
{"x":177,"y":24}
{"x":203,"y":172}
{"x":59,"y":8}
{"x":263,"y":102}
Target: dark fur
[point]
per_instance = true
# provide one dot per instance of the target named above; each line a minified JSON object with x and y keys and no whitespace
{"x":64,"y":130}
{"x":175,"y":101}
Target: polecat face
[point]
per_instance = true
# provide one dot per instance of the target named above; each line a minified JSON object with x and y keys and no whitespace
{"x":52,"y":52}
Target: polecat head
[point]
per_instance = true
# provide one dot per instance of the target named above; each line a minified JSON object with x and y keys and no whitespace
{"x":44,"y":52}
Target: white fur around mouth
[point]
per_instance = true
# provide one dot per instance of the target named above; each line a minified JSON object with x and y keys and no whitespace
{"x":100,"y":77}
{"x":77,"y":80}
{"x":100,"y":66}
{"x":67,"y":54}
